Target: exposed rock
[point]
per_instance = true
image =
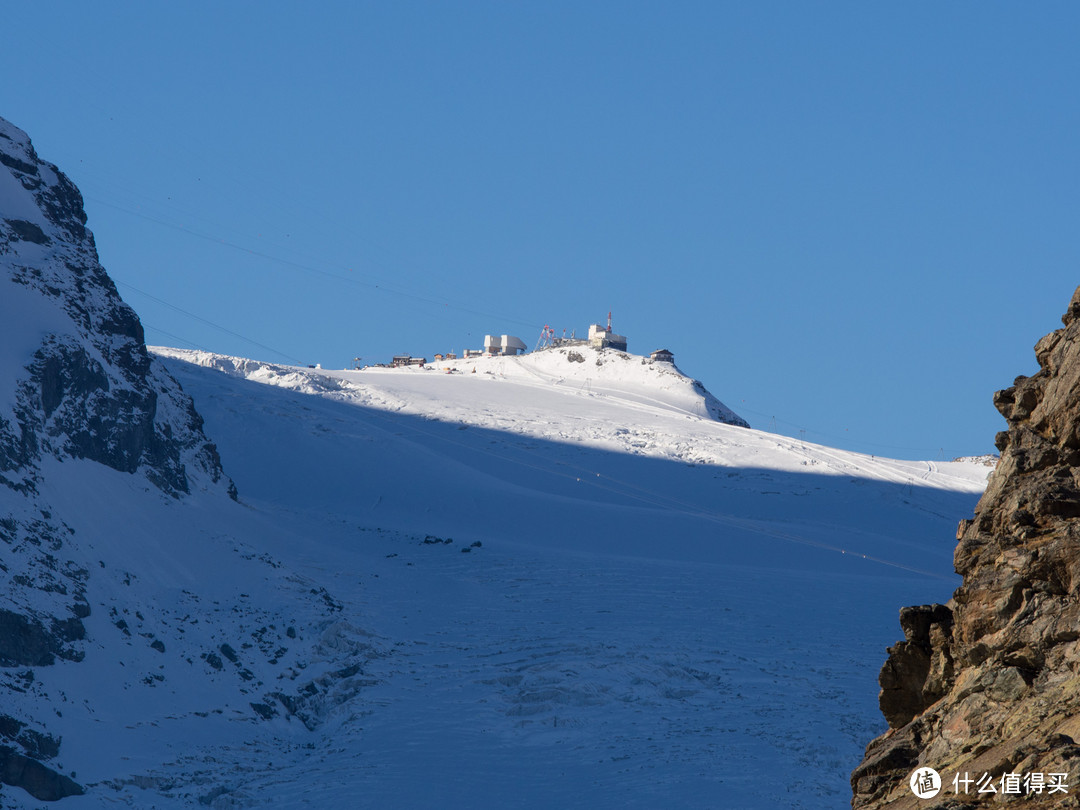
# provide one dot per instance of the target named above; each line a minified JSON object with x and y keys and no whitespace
{"x":989,"y":684}
{"x":36,"y":744}
{"x":917,"y":671}
{"x":40,"y":781}
{"x":24,"y":641}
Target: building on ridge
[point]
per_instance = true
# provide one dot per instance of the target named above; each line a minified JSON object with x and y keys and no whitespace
{"x":507,"y":345}
{"x":604,"y":338}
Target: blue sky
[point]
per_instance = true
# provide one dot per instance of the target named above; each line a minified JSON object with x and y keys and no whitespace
{"x":849,"y":219}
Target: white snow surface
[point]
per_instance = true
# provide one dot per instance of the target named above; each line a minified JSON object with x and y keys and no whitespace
{"x":612,"y":401}
{"x":560,"y":585}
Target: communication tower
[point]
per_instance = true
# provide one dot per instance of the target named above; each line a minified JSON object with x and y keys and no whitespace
{"x":546,"y":339}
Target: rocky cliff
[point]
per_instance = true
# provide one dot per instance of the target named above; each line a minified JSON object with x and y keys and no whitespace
{"x":75,"y":378}
{"x":986,"y":688}
{"x":76,"y":382}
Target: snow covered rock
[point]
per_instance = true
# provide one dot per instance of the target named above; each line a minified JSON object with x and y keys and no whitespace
{"x":75,"y":378}
{"x":76,"y":383}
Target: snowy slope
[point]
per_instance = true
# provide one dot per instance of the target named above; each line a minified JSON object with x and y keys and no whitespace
{"x":192,"y":624}
{"x":655,"y":609}
{"x":629,"y":377}
{"x":622,"y":403}
{"x":558,"y":580}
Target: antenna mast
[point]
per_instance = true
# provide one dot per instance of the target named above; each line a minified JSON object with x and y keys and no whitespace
{"x":546,"y":339}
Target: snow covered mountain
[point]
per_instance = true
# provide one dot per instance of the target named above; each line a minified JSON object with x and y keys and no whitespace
{"x":535,"y":581}
{"x":655,"y":608}
{"x":77,"y":386}
{"x":111,"y":575}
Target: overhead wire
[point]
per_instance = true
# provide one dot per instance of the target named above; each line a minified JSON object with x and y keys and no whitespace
{"x":831,"y":436}
{"x":190,"y":343}
{"x":209,"y":323}
{"x":308,"y":267}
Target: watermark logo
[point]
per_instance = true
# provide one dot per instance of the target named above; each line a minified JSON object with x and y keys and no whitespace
{"x":925,"y":783}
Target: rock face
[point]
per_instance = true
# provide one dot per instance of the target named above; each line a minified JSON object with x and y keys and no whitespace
{"x":76,"y":382}
{"x":75,"y":377}
{"x":988,"y":685}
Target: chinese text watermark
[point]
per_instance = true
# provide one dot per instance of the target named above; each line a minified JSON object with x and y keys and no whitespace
{"x":926,"y":783}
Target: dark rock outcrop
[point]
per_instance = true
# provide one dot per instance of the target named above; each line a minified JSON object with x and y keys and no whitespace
{"x":26,"y":642}
{"x":989,"y":684}
{"x":919,"y":668}
{"x":40,"y":781}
